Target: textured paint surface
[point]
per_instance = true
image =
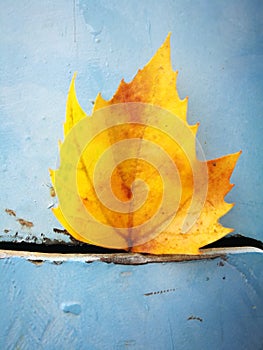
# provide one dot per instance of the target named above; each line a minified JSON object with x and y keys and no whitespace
{"x":216,"y":46}
{"x":213,"y":304}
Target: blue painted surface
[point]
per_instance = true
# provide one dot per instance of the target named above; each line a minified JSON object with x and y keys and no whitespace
{"x":216,"y":46}
{"x":213,"y":304}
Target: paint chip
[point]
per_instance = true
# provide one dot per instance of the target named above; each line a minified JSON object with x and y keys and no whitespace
{"x":71,"y":308}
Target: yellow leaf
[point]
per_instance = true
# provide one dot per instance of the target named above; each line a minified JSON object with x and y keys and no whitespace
{"x":129,"y":177}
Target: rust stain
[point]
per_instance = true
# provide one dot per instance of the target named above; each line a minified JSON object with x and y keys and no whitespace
{"x":25,"y":223}
{"x":10,"y":212}
{"x":52,"y":191}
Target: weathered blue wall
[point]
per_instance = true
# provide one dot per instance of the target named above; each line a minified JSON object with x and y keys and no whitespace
{"x":216,"y":46}
{"x":213,"y":304}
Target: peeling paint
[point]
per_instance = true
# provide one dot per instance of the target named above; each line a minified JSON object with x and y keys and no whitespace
{"x":36,"y":262}
{"x":128,"y":258}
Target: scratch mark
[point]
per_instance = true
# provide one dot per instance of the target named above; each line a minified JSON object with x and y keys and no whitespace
{"x":51,"y":205}
{"x":149,"y":30}
{"x":160,"y":292}
{"x":124,"y":344}
{"x":126,"y":273}
{"x":74,"y":21}
{"x":171,"y":335}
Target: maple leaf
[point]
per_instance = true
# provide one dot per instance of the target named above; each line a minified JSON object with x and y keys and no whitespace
{"x":187,"y":193}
